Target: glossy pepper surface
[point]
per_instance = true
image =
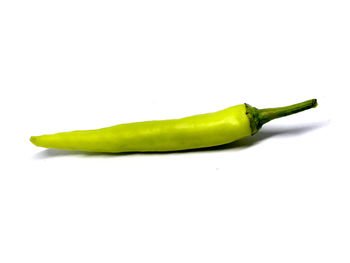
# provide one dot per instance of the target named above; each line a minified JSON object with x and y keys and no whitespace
{"x":192,"y":132}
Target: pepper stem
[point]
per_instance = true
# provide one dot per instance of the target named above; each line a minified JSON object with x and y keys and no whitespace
{"x":259,"y":117}
{"x":266,"y":115}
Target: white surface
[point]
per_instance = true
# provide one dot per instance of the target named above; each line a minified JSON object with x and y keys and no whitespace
{"x":280,"y":196}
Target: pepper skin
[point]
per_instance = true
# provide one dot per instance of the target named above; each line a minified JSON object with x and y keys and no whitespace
{"x":192,"y":132}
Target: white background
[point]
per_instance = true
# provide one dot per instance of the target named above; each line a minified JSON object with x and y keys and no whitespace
{"x":282,"y":195}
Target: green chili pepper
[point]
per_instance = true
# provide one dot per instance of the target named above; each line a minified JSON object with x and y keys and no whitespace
{"x":193,"y":132}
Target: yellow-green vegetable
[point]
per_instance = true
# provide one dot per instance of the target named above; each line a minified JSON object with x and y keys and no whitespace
{"x":193,"y":132}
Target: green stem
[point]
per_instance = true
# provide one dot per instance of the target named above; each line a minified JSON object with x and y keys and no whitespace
{"x":259,"y":117}
{"x":267,"y":115}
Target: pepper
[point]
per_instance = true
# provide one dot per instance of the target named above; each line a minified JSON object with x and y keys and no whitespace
{"x":192,"y":132}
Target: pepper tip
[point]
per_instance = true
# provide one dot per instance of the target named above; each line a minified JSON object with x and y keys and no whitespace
{"x":33,"y":139}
